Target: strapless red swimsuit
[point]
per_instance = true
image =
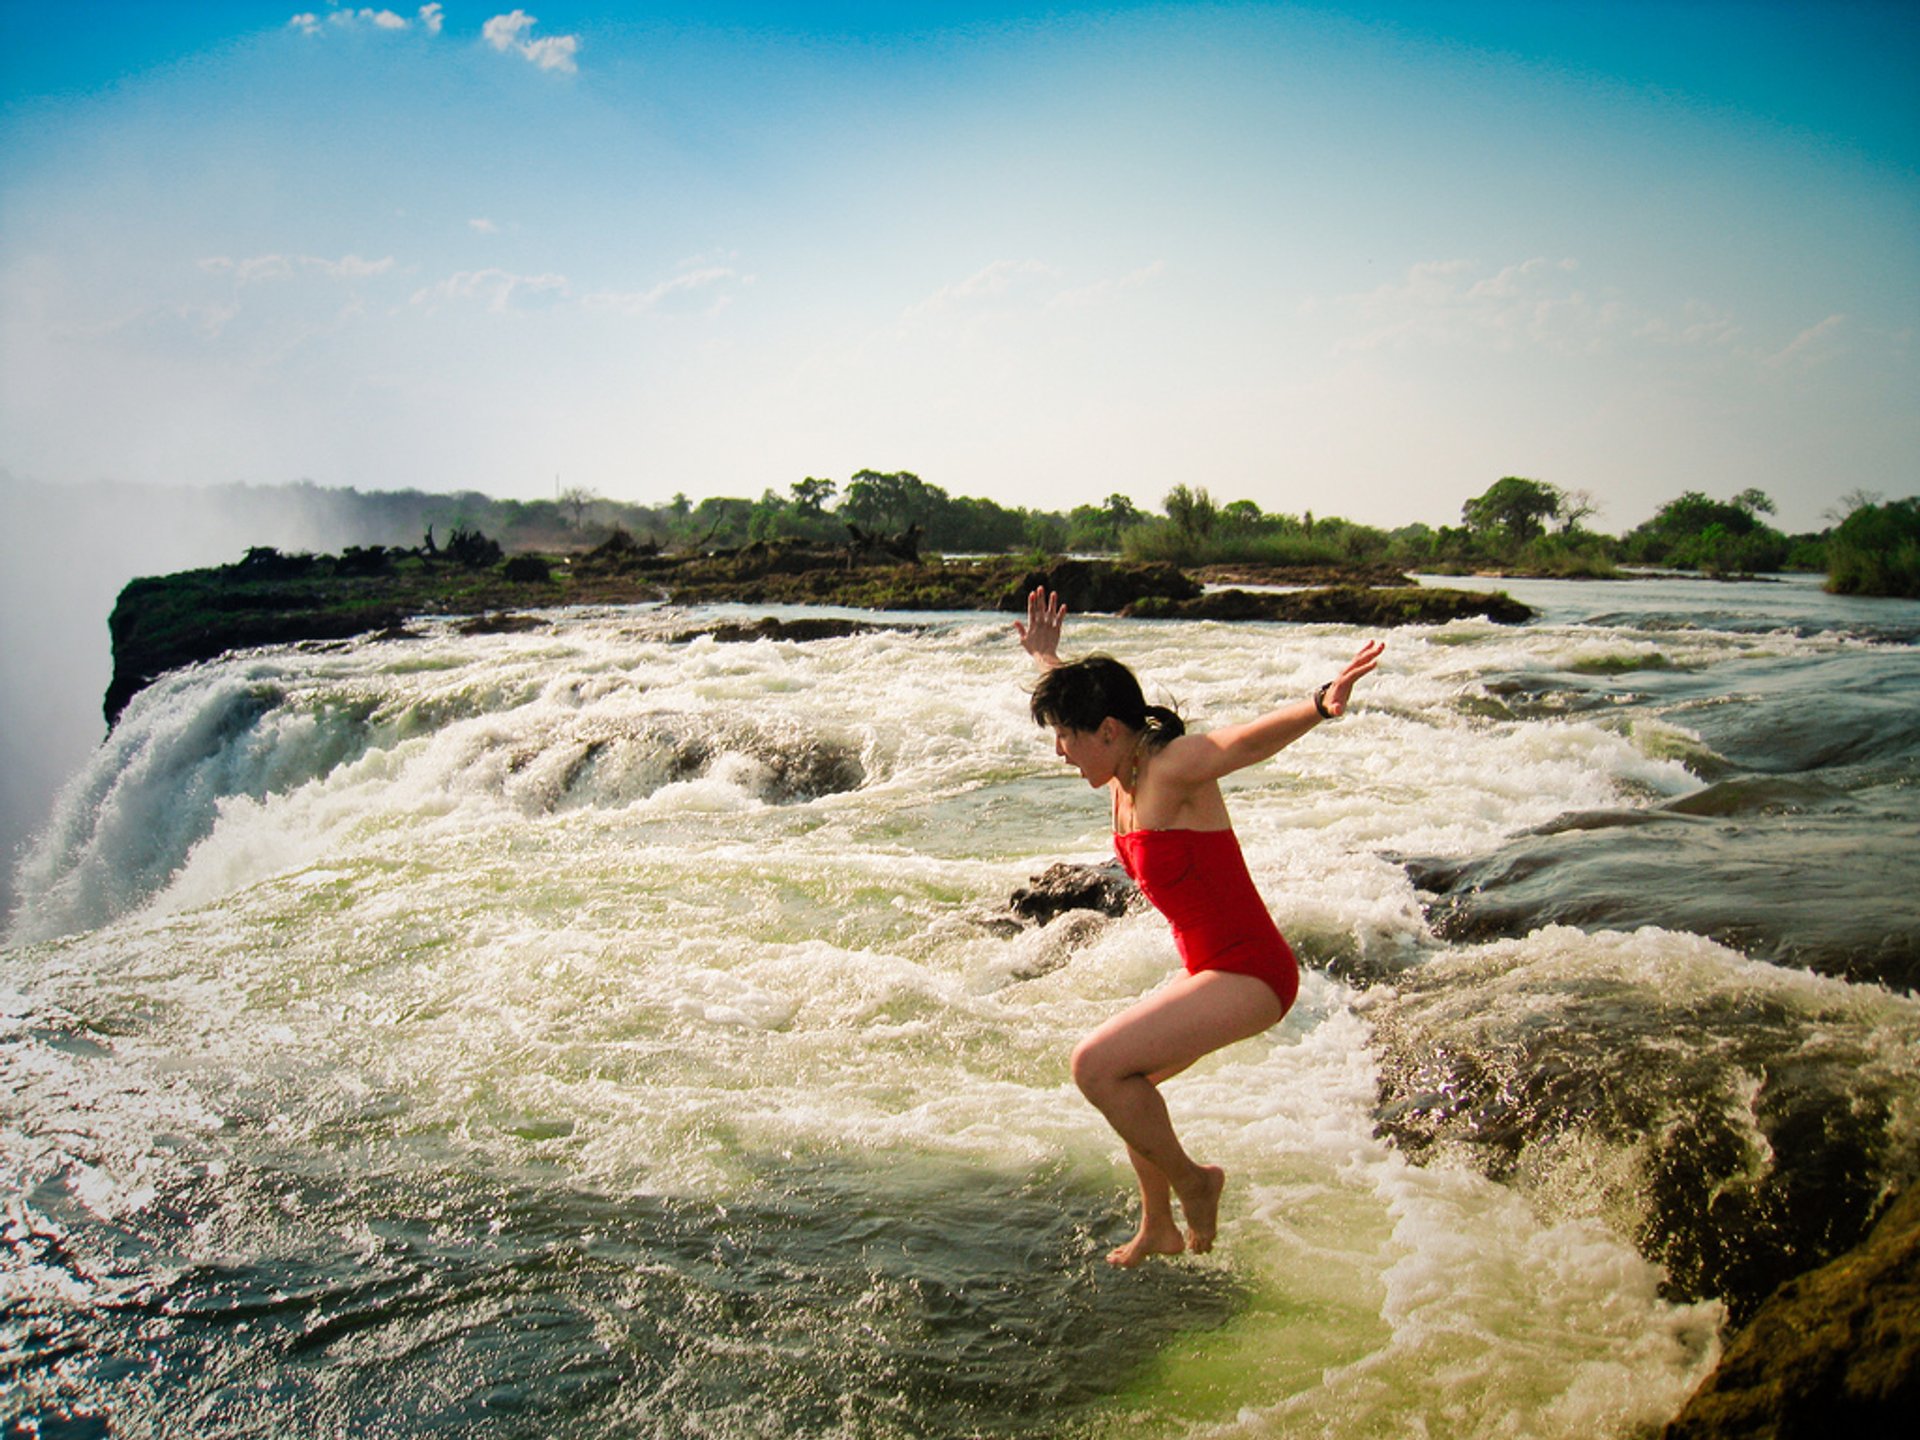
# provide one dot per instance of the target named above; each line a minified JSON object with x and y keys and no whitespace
{"x":1198,"y":879}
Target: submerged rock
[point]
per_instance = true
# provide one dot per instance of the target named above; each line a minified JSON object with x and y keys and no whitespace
{"x":1739,"y":1130}
{"x":1833,"y":1352}
{"x":610,"y":762}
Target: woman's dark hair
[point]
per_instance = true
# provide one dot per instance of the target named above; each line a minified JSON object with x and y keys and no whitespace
{"x":1079,"y":695}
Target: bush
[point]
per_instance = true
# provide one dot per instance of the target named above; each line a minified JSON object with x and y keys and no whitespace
{"x":1876,"y":551}
{"x":527,"y":570}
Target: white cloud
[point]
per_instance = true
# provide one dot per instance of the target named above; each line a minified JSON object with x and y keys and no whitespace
{"x":261,"y":268}
{"x":505,"y":32}
{"x":1813,"y":346}
{"x":308,"y":23}
{"x":1536,"y":304}
{"x":483,"y":226}
{"x":553,"y":54}
{"x":495,"y":288}
{"x":1103,"y":291}
{"x":431,"y":17}
{"x":717,"y":281}
{"x":1002,"y":281}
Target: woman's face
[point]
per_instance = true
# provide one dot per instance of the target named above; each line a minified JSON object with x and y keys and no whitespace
{"x":1094,"y":753}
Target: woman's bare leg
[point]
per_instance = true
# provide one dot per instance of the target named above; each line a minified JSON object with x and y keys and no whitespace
{"x":1158,"y":1233}
{"x":1115,"y":1068}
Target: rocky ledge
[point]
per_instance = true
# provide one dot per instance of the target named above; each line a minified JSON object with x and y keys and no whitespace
{"x":166,"y":622}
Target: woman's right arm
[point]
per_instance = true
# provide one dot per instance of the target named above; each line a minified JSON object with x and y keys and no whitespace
{"x":1040,"y":636}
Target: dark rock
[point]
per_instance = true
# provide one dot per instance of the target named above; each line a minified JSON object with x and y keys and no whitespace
{"x":497,"y":623}
{"x":364,"y":560}
{"x":771,"y":627}
{"x":903,"y":547}
{"x":1302,"y":576}
{"x":1833,"y":1352}
{"x":1791,"y":891}
{"x":1102,"y":586}
{"x":527,"y":570}
{"x":165,"y":624}
{"x":1338,"y":605}
{"x":1756,"y":1136}
{"x":267,"y":563}
{"x":471,"y":549}
{"x":1065,"y":887}
{"x":619,"y":549}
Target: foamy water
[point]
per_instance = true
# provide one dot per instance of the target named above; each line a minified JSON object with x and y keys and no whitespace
{"x":449,"y":1035}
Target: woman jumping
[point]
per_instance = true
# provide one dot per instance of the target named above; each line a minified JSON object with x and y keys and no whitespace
{"x":1175,"y":839}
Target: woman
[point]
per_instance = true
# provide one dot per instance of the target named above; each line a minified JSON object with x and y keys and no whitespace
{"x":1174,"y":837}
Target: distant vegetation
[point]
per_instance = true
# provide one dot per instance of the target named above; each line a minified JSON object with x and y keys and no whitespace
{"x":1876,"y":550}
{"x":1515,"y":526}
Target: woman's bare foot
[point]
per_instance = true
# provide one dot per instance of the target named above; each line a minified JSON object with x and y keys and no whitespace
{"x":1163,"y":1239}
{"x":1202,"y":1209}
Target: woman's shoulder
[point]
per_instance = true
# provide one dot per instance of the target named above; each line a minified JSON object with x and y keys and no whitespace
{"x":1185,"y":760}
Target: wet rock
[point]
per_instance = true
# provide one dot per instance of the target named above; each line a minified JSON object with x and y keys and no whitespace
{"x":614,"y":761}
{"x":1737,"y":1134}
{"x":499,"y":623}
{"x":1799,"y":890}
{"x":770,"y":627}
{"x":1339,"y":605}
{"x":1065,"y":887}
{"x":1833,"y":1352}
{"x":1102,"y":586}
{"x":1301,"y":576}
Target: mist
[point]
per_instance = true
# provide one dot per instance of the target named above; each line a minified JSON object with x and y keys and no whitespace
{"x":66,"y":550}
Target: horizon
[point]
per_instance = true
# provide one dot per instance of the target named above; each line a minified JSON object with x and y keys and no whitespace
{"x":1354,"y":259}
{"x":1152,"y":510}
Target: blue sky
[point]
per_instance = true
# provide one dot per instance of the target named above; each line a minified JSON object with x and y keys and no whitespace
{"x":1358,"y":259}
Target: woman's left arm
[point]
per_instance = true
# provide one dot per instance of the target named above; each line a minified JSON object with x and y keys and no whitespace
{"x":1210,"y":755}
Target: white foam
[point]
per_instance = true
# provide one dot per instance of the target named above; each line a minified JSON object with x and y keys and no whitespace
{"x":464,"y":888}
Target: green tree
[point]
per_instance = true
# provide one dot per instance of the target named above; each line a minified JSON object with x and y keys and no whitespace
{"x":576,"y":499}
{"x":891,"y":502}
{"x":1513,"y":510}
{"x":1241,"y":517}
{"x":1192,"y":514}
{"x":1876,"y":550}
{"x":1121,"y":513}
{"x":811,"y":495}
{"x":1696,"y":532}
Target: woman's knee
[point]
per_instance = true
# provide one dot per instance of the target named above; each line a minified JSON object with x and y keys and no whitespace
{"x":1096,"y":1069}
{"x":1086,"y":1065}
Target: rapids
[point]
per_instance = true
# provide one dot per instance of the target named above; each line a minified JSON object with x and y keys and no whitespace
{"x":578,"y":1032}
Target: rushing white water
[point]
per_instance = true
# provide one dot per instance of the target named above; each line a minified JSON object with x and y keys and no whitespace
{"x":580,"y":955}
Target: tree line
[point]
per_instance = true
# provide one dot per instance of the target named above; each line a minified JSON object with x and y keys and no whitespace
{"x":1518,"y":525}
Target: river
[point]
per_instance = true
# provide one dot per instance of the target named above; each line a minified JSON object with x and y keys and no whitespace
{"x":578,"y":1032}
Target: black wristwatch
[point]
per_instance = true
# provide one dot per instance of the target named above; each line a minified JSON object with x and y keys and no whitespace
{"x":1320,"y":701}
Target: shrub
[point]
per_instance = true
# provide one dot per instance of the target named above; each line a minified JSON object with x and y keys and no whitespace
{"x":1876,"y":551}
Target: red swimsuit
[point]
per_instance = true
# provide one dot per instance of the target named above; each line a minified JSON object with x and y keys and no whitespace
{"x":1198,"y":879}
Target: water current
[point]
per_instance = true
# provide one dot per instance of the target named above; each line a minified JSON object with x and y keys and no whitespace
{"x":578,"y":1032}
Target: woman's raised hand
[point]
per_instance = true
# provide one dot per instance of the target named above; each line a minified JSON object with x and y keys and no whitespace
{"x":1362,"y":663}
{"x":1040,"y":636}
